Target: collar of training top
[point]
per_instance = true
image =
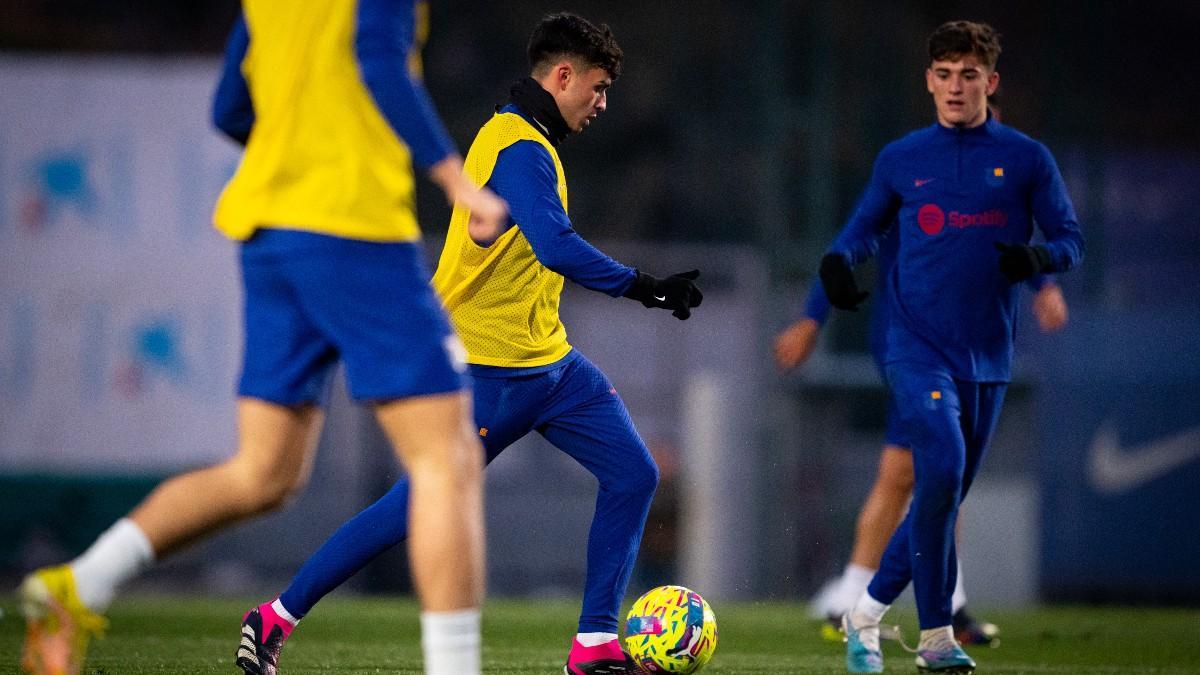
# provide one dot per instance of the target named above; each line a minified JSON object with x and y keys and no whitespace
{"x":537,"y":103}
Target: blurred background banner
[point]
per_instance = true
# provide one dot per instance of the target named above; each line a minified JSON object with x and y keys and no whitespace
{"x":737,"y":140}
{"x":118,"y":302}
{"x":1120,"y":471}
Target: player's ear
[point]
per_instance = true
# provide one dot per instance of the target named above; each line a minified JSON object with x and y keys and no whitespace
{"x":993,"y":83}
{"x":563,"y":73}
{"x":929,"y":80}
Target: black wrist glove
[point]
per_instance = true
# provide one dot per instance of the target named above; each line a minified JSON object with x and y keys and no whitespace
{"x":676,"y":292}
{"x":1020,"y":261}
{"x":838,"y":280}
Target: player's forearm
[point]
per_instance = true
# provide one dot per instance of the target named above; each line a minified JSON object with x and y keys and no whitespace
{"x":1066,"y":249}
{"x":561,"y":249}
{"x":526,"y":178}
{"x":867,"y":226}
{"x":1055,"y":216}
{"x":447,"y":174}
{"x":381,"y":46}
{"x":233,"y":110}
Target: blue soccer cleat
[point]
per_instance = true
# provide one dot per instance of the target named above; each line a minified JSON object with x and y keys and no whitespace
{"x":952,"y":660}
{"x":862,"y":648}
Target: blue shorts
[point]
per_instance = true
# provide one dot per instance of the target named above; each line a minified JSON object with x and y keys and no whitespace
{"x":312,"y":299}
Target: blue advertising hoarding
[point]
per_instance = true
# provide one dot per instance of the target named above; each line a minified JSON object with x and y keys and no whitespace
{"x":1120,"y":460}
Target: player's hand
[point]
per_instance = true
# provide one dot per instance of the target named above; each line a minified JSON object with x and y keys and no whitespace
{"x":838,"y":280}
{"x":1021,"y":261}
{"x":1050,"y":308}
{"x":796,"y":343}
{"x":489,"y":215}
{"x":677,"y":292}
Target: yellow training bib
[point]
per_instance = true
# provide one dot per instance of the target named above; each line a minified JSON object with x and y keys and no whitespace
{"x":503,"y":302}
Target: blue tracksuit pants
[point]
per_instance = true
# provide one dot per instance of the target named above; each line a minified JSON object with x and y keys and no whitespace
{"x":948,"y":423}
{"x":576,"y":408}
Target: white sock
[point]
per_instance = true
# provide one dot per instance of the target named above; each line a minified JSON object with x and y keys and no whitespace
{"x":283,"y":613}
{"x":451,"y":642}
{"x":959,"y":599}
{"x":118,"y":555}
{"x":855,"y":579}
{"x":594,"y":639}
{"x":937,"y":639}
{"x":867,"y":612}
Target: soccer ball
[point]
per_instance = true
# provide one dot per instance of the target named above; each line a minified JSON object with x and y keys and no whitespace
{"x":671,"y":629}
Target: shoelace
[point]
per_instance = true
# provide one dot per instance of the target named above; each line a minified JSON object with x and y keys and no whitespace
{"x":882,"y":629}
{"x":896,"y":633}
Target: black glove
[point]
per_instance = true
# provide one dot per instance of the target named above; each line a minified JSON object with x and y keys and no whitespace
{"x":676,"y":292}
{"x":838,"y":280}
{"x":1019,"y":261}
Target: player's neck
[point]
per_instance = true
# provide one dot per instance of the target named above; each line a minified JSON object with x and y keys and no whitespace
{"x":538,"y":105}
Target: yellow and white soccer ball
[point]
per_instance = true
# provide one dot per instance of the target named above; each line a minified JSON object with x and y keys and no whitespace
{"x":671,"y":629}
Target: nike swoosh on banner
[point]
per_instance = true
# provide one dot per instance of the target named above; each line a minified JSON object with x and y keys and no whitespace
{"x":1114,"y":471}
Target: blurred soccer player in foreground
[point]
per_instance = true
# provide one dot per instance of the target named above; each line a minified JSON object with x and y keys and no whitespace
{"x":888,"y":498}
{"x":321,"y":96}
{"x":963,"y":195}
{"x":503,"y":299}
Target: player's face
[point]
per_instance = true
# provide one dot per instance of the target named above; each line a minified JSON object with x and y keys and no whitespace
{"x":584,"y":96}
{"x":960,"y":90}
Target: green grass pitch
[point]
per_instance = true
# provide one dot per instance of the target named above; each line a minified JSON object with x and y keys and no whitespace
{"x":379,"y":635}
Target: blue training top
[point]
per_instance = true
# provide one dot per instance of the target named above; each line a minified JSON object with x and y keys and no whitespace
{"x":951,"y":194}
{"x":816,"y":305}
{"x":524,"y":176}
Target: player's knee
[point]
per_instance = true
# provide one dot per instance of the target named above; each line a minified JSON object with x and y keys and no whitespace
{"x":640,"y":477}
{"x":897,"y":481}
{"x":278,"y":494}
{"x":264,"y":489}
{"x":943,"y":479}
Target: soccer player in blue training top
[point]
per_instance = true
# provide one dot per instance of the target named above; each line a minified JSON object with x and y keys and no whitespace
{"x":321,"y":96}
{"x":963,"y":195}
{"x":503,"y":300}
{"x":888,"y":498}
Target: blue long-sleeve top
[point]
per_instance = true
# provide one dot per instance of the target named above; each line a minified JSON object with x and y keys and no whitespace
{"x":951,"y":194}
{"x":525,"y":177}
{"x":385,"y":34}
{"x":817,"y":307}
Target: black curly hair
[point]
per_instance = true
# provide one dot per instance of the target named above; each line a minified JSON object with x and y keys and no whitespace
{"x":570,"y":35}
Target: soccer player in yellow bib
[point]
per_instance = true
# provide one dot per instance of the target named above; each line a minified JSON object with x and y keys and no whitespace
{"x":326,"y":99}
{"x":503,"y":299}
